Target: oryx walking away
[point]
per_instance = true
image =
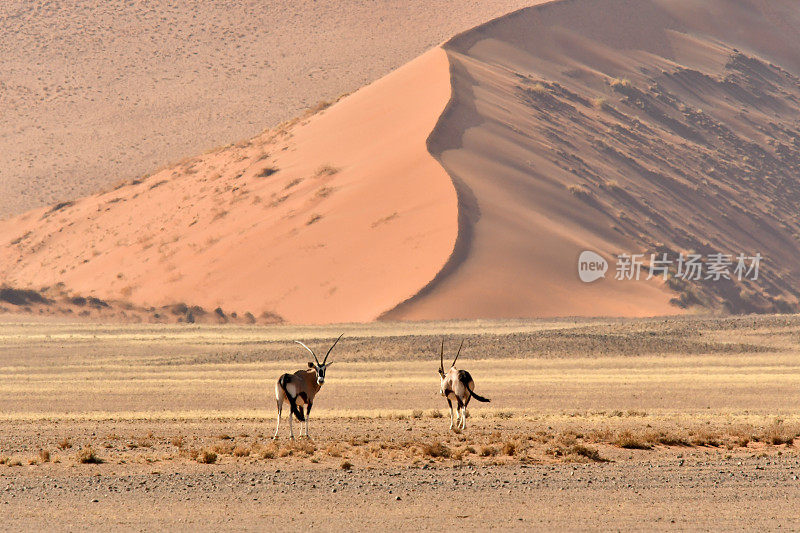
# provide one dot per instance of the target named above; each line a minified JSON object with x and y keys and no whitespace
{"x":300,"y":388}
{"x":457,"y":385}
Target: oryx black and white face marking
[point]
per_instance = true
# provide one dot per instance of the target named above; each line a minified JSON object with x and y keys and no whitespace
{"x":320,"y":370}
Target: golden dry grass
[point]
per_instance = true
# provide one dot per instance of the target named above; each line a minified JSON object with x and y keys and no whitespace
{"x":561,"y":391}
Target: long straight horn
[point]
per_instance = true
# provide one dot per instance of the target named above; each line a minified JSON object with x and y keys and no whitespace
{"x":310,"y":350}
{"x":331,"y":348}
{"x":458,"y":353}
{"x":441,"y":357}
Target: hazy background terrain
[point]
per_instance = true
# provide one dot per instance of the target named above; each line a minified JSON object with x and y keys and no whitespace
{"x":93,"y":92}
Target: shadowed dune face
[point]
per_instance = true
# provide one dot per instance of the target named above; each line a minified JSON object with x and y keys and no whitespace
{"x":332,"y":217}
{"x":621,"y":127}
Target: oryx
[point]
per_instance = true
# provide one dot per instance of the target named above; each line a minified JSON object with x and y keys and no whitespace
{"x":300,"y":388}
{"x":457,"y":385}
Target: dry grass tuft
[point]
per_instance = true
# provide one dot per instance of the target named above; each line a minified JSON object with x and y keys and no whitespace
{"x":704,"y":438}
{"x":629,"y":441}
{"x":266,"y":172}
{"x":578,"y":453}
{"x":435,"y":413}
{"x":241,"y":451}
{"x":620,"y":84}
{"x":64,"y":443}
{"x":509,"y":448}
{"x":177,"y":441}
{"x":777,"y":433}
{"x":346,"y":465}
{"x":87,"y":456}
{"x":436,"y":450}
{"x":489,"y":451}
{"x":416,"y":413}
{"x":326,"y":170}
{"x":44,"y":456}
{"x":206,"y":457}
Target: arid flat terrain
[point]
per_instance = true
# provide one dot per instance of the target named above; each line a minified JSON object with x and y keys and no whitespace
{"x":656,"y":423}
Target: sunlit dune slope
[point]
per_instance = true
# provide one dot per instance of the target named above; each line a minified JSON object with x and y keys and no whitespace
{"x":333,"y":217}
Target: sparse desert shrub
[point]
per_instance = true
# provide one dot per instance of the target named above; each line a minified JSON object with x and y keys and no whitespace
{"x":44,"y":456}
{"x":224,"y":448}
{"x":346,"y":465}
{"x":64,"y":443}
{"x":435,"y":413}
{"x":588,"y":452}
{"x":629,"y":441}
{"x":509,"y":448}
{"x":326,"y":170}
{"x":504,"y":414}
{"x":576,"y":453}
{"x":241,"y":451}
{"x":669,"y":439}
{"x":87,"y":456}
{"x":177,"y":441}
{"x":206,"y":457}
{"x":489,"y":451}
{"x":13,"y":462}
{"x":600,"y":102}
{"x":324,"y":192}
{"x":435,"y":449}
{"x":538,"y":88}
{"x":292,"y":183}
{"x":584,"y":194}
{"x":335,"y":449}
{"x":313,"y":219}
{"x":777,"y":433}
{"x":620,"y":84}
{"x":268,"y":453}
{"x":416,"y":413}
{"x":704,"y":438}
{"x":266,"y":172}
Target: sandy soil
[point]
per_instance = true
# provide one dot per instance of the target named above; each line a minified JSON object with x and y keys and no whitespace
{"x":97,"y":92}
{"x":687,"y":423}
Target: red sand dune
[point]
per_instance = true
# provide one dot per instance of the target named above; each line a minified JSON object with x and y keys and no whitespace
{"x":335,"y":217}
{"x":466,"y":183}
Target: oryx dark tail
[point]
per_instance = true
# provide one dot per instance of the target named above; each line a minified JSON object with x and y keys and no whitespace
{"x":479,"y":398}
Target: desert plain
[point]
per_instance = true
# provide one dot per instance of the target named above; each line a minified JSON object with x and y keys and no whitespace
{"x":678,"y":423}
{"x":187,"y":188}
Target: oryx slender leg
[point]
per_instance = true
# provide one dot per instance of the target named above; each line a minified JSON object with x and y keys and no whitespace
{"x":277,"y":427}
{"x":464,"y":417}
{"x":450,"y":403}
{"x":291,"y":430}
{"x":308,"y":412}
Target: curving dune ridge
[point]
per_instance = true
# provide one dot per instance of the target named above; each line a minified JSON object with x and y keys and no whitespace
{"x":621,"y":126}
{"x":466,"y":183}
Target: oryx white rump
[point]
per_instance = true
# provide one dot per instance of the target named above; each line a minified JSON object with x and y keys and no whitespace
{"x":457,"y":385}
{"x":300,"y":388}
